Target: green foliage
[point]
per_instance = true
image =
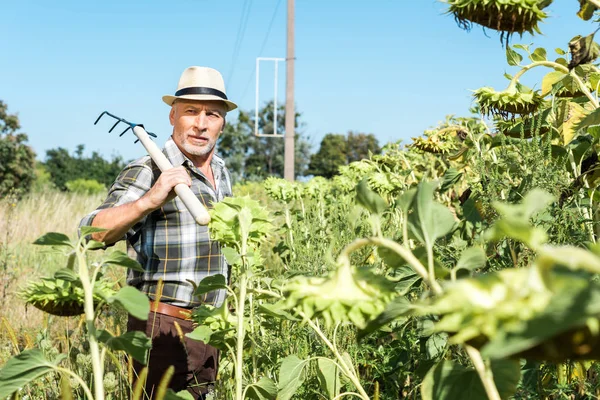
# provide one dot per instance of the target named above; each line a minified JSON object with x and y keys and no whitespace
{"x":586,"y":10}
{"x":85,"y":186}
{"x":24,"y":368}
{"x":135,"y":302}
{"x":331,"y":155}
{"x":80,"y":288}
{"x":515,"y":219}
{"x":17,"y":159}
{"x":255,"y":158}
{"x":329,"y":376}
{"x":42,"y":181}
{"x":281,"y":189}
{"x":64,"y":167}
{"x":445,"y":285}
{"x":264,"y":389}
{"x":216,"y":325}
{"x":451,"y":381}
{"x":337,"y":150}
{"x":428,"y":220}
{"x":348,"y":294}
{"x":291,"y":375}
{"x":135,"y":343}
{"x":239,"y":222}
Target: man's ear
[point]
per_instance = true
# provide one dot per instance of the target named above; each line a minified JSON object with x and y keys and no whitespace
{"x":172,"y":116}
{"x":224,"y":123}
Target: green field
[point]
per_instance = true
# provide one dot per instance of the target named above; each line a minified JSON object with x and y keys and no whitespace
{"x":461,"y":265}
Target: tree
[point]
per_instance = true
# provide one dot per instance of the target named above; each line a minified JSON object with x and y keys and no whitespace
{"x":233,"y":145}
{"x":255,"y":158}
{"x":359,"y":146}
{"x":63,"y":167}
{"x":17,"y":159}
{"x":331,"y":155}
{"x":337,"y":150}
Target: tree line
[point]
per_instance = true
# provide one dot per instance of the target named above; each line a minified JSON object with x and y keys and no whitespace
{"x":248,"y":157}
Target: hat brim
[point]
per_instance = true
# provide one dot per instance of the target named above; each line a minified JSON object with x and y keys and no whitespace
{"x":168,"y":99}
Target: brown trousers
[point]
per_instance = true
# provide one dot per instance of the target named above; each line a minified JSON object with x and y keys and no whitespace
{"x":195,"y":362}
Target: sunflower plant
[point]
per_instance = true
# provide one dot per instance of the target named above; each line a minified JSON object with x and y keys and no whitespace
{"x":240,"y":225}
{"x":513,"y":312}
{"x":77,"y":289}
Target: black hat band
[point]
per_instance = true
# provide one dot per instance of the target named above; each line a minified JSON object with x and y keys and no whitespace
{"x":200,"y":90}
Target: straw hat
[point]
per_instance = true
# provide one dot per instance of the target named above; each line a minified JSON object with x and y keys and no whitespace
{"x":201,"y":83}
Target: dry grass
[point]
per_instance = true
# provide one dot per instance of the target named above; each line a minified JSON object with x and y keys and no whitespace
{"x":21,"y":222}
{"x":23,"y":327}
{"x":25,"y":220}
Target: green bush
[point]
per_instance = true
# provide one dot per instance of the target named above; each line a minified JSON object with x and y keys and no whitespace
{"x":42,"y":181}
{"x":64,"y":167}
{"x":85,"y":186}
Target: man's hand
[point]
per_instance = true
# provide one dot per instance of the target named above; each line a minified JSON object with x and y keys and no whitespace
{"x":118,"y":220}
{"x":163,"y":190}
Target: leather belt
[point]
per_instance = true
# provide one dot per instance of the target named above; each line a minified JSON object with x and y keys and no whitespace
{"x":171,"y":311}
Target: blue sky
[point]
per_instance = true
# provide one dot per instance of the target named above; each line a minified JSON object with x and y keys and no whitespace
{"x":389,"y":67}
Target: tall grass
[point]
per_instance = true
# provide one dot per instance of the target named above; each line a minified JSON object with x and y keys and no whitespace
{"x":21,"y":222}
{"x":45,"y":211}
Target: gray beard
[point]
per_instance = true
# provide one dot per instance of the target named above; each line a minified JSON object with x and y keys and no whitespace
{"x":198,"y":151}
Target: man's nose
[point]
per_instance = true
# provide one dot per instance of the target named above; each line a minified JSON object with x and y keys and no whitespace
{"x":201,"y":121}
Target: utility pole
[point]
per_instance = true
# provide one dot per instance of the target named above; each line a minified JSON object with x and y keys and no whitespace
{"x":290,"y":114}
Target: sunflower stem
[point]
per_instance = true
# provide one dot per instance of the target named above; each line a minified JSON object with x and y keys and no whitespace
{"x":485,"y":373}
{"x":584,"y":88}
{"x":558,"y":67}
{"x":88,"y":304}
{"x":85,"y":387}
{"x":347,"y":370}
{"x":399,"y":249}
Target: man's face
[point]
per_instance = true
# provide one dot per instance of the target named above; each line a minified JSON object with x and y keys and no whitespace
{"x":196,"y":126}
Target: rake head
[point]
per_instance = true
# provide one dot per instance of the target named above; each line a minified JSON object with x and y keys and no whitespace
{"x":130,"y":125}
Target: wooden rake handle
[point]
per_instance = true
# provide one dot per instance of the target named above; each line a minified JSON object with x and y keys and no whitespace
{"x":186,"y":195}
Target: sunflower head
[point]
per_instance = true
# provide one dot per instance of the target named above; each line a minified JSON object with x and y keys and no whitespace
{"x":440,"y":141}
{"x":61,"y":297}
{"x":509,"y":102}
{"x":505,"y":16}
{"x":316,"y":187}
{"x":281,"y":189}
{"x":347,"y":294}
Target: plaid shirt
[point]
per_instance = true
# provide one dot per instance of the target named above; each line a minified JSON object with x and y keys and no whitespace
{"x":168,"y":243}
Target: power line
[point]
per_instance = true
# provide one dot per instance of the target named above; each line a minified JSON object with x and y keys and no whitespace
{"x":262,"y":47}
{"x":240,"y":37}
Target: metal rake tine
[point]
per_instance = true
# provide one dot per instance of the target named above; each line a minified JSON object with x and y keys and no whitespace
{"x":126,"y":129}
{"x":100,"y":116}
{"x":151,"y":134}
{"x":114,"y":126}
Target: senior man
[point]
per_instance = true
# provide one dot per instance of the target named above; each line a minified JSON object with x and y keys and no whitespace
{"x":142,"y":208}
